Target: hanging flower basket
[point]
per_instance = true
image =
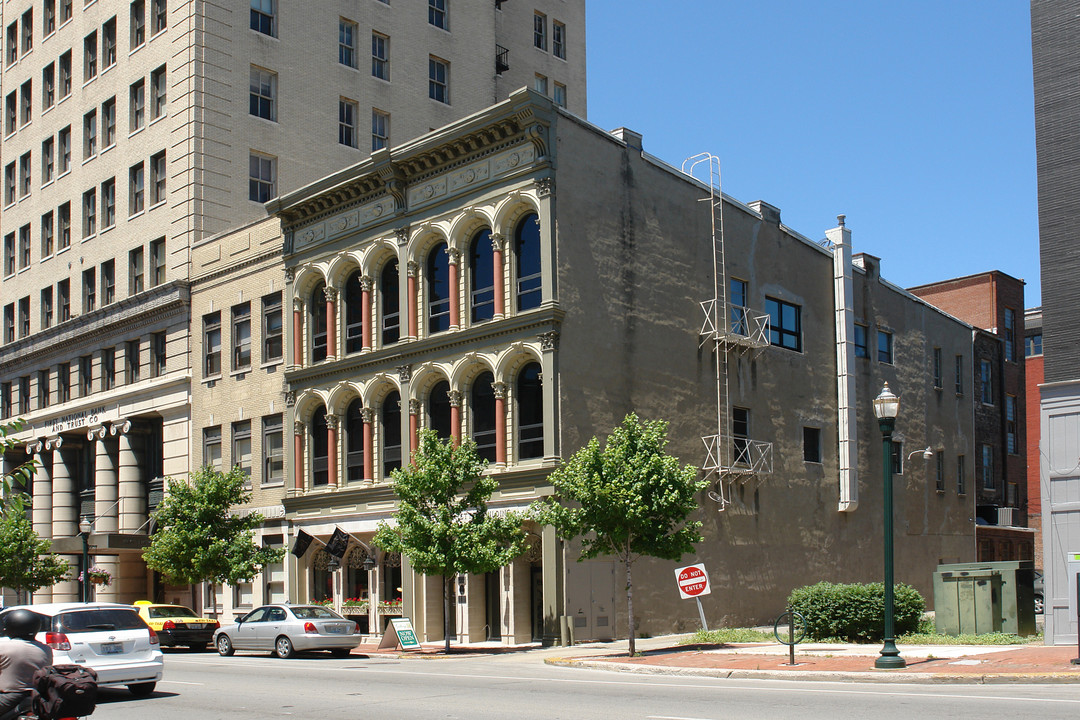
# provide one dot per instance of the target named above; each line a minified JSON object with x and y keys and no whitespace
{"x":355,"y":604}
{"x":97,"y":576}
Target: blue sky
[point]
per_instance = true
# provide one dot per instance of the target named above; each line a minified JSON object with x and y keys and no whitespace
{"x":914,"y":118}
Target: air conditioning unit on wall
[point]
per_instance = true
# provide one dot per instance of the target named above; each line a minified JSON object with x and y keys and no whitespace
{"x":1007,"y":516}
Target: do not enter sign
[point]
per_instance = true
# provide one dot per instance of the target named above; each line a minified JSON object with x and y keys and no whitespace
{"x":693,"y":581}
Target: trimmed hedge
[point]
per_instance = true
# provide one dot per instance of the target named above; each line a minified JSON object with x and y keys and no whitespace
{"x":855,"y":612}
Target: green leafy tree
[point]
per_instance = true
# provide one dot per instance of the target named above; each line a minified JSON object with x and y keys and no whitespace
{"x":13,"y":484}
{"x":27,"y":563}
{"x":443,"y":525}
{"x":199,"y":540}
{"x":627,"y":500}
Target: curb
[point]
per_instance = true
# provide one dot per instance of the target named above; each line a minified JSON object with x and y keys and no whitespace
{"x":824,"y":675}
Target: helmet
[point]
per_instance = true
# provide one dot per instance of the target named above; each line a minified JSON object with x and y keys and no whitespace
{"x":22,"y":623}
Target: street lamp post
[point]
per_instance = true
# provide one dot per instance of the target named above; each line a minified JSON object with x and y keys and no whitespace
{"x":85,"y":526}
{"x":886,"y":408}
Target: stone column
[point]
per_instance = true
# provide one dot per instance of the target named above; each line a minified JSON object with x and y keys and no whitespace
{"x":42,"y":503}
{"x":549,"y":344}
{"x":65,"y":514}
{"x":549,"y":286}
{"x":131,"y":492}
{"x":498,"y":242}
{"x":414,"y":425}
{"x":554,"y":601}
{"x":106,"y":515}
{"x":298,"y":332}
{"x":298,"y":456}
{"x":331,"y":322}
{"x":366,"y":286}
{"x":500,"y":423}
{"x":455,"y":290}
{"x":333,"y":453}
{"x":413,"y":299}
{"x":455,"y":416}
{"x":368,"y":416}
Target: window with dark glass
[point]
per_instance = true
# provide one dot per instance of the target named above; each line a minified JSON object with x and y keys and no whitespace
{"x":90,"y":56}
{"x":212,"y":344}
{"x":63,"y":382}
{"x":391,"y":433}
{"x":48,"y":86}
{"x":108,"y":203}
{"x":9,"y":322}
{"x":439,"y":409}
{"x":44,"y":388}
{"x":108,"y":282}
{"x":527,"y":262}
{"x":24,"y":395}
{"x":938,"y":370}
{"x":108,"y":123}
{"x":108,"y":43}
{"x":133,"y":361}
{"x":939,"y":475}
{"x":108,"y":368}
{"x":740,"y":433}
{"x":46,"y":307}
{"x":86,"y":375}
{"x":262,"y":17}
{"x":439,"y":80}
{"x":558,"y":39}
{"x":241,"y":447}
{"x":540,"y":31}
{"x":273,"y":449}
{"x":884,"y":346}
{"x":898,"y":457}
{"x":347,"y":43}
{"x":354,"y":314}
{"x":24,"y":246}
{"x":389,"y":301}
{"x":263,"y":94}
{"x":24,"y":317}
{"x":65,"y":74}
{"x":354,"y":441}
{"x":273,"y":337}
{"x":438,"y":289}
{"x":988,"y":467}
{"x":986,"y":382}
{"x":47,"y":234}
{"x":1012,"y":445}
{"x":158,"y":357}
{"x":318,"y":320}
{"x":812,"y":444}
{"x":785,"y":324}
{"x":483,"y":416}
{"x":320,"y":449}
{"x":241,"y":337}
{"x":158,"y":93}
{"x":1010,"y":335}
{"x":482,"y":277}
{"x":157,"y":262}
{"x":437,"y":13}
{"x":530,"y":412}
{"x":136,"y":277}
{"x":138,"y":23}
{"x":137,"y":111}
{"x":160,"y":17}
{"x":63,"y":299}
{"x":380,"y":56}
{"x":89,"y":284}
{"x":959,"y":374}
{"x":737,"y":290}
{"x":212,"y":447}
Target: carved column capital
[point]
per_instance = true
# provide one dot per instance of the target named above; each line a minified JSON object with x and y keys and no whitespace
{"x":413,"y":268}
{"x":455,"y":398}
{"x":545,"y":186}
{"x":402,"y":234}
{"x":54,"y":443}
{"x":332,"y":421}
{"x":299,"y":426}
{"x":298,"y":304}
{"x":498,"y":242}
{"x":414,"y":406}
{"x":119,"y":427}
{"x":34,"y":448}
{"x":404,"y":373}
{"x":549,"y":340}
{"x":290,"y":398}
{"x":330,"y":293}
{"x":97,"y":433}
{"x":367,"y":415}
{"x":500,"y":390}
{"x":367,"y":283}
{"x":290,"y":275}
{"x":455,"y":255}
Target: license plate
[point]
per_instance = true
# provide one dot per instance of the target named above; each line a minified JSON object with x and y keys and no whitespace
{"x":112,"y":648}
{"x":335,"y":629}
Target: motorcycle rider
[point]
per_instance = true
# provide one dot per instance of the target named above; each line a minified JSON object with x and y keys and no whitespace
{"x":20,"y":656}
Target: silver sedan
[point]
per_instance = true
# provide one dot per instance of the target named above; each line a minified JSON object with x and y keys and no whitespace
{"x":288,"y":629}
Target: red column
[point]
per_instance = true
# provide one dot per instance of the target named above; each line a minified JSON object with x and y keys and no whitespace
{"x":500,"y":423}
{"x":332,"y":453}
{"x":298,"y":456}
{"x":455,"y":416}
{"x":368,"y":415}
{"x":414,"y":426}
{"x":366,"y":285}
{"x":497,"y":243}
{"x":331,"y":322}
{"x":298,"y":333}
{"x":455,"y":299}
{"x":413,"y":300}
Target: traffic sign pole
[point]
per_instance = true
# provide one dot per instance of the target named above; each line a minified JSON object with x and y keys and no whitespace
{"x":701,"y":612}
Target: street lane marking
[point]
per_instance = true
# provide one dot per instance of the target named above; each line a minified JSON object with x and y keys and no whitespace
{"x":181,"y":682}
{"x":672,"y":717}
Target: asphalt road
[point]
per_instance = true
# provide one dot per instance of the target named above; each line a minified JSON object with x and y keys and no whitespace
{"x":520,"y":686}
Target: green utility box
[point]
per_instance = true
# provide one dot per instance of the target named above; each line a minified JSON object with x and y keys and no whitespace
{"x":985,"y":597}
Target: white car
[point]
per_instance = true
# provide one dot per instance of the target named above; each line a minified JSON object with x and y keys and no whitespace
{"x":110,"y":638}
{"x":288,"y":629}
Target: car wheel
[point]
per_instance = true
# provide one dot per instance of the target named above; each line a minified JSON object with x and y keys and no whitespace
{"x":341,"y":652}
{"x":283,"y":647}
{"x":142,"y":689}
{"x":1039,"y":607}
{"x":224,"y":646}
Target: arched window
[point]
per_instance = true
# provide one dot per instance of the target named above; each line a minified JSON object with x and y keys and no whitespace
{"x":390,"y":301}
{"x":391,"y":433}
{"x":354,"y":314}
{"x":482,"y":277}
{"x":483,"y":416}
{"x":439,"y":409}
{"x":438,"y":289}
{"x":317,"y":316}
{"x":354,"y":442}
{"x":320,"y":449}
{"x":527,"y":257}
{"x":530,"y":413}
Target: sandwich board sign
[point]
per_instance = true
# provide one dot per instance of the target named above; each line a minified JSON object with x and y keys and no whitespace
{"x":399,"y":633}
{"x":693,"y":582}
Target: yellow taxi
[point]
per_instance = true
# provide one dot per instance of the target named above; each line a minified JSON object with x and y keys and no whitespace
{"x":177,"y":625}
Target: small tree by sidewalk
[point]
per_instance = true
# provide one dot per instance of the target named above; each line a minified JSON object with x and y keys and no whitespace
{"x":443,"y":524}
{"x":627,"y":500}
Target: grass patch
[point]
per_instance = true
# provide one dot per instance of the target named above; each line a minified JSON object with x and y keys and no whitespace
{"x":997,"y":638}
{"x":727,"y":635}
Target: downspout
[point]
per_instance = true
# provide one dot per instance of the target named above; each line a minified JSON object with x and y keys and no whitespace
{"x":846,"y":426}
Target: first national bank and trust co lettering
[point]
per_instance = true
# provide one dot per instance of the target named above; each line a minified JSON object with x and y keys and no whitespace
{"x":76,"y":420}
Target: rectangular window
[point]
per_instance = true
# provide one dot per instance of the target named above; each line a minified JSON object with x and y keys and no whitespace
{"x":137,"y":115}
{"x":347,"y":43}
{"x":540,"y":31}
{"x":9,"y":323}
{"x":5,"y":400}
{"x":26,"y":104}
{"x":737,"y":298}
{"x":90,"y":56}
{"x":48,"y":86}
{"x":785,"y":324}
{"x":262,"y":17}
{"x":24,"y":317}
{"x":241,"y":337}
{"x":740,"y":433}
{"x":986,"y":382}
{"x":884,"y":346}
{"x":108,"y":43}
{"x":273,"y":450}
{"x":347,"y":113}
{"x":1010,"y":335}
{"x":959,"y":374}
{"x":812,"y":444}
{"x":212,"y":447}
{"x":158,"y":91}
{"x":86,"y":375}
{"x":263,"y":90}
{"x":262,"y":172}
{"x":272,"y":330}
{"x":437,"y":14}
{"x":9,"y":183}
{"x":63,"y":299}
{"x":28,"y":31}
{"x":138,"y":23}
{"x":558,"y":39}
{"x":380,"y":129}
{"x":158,"y":177}
{"x":988,"y":467}
{"x":89,"y":215}
{"x":46,"y":307}
{"x":540,"y":84}
{"x":559,"y":95}
{"x":380,"y":56}
{"x":938,"y":370}
{"x":108,"y":282}
{"x":89,"y":290}
{"x":158,"y":357}
{"x":132,"y":361}
{"x":24,"y":246}
{"x":63,"y":382}
{"x":1011,"y":443}
{"x":64,"y":154}
{"x":160,"y":18}
{"x":49,"y":20}
{"x":24,"y":175}
{"x":44,"y":387}
{"x":439,"y":80}
{"x":9,"y":254}
{"x":136,"y":192}
{"x":108,"y":368}
{"x":108,"y":203}
{"x":241,"y":447}
{"x":212,"y":344}
{"x":961,"y":476}
{"x":65,"y":75}
{"x":47,"y":231}
{"x":63,"y":227}
{"x":24,"y":394}
{"x":157,"y":262}
{"x":939,"y":460}
{"x":108,"y":123}
{"x":1033,"y":345}
{"x":136,"y":278}
{"x":898,"y":457}
{"x":11,"y":112}
{"x":90,"y":134}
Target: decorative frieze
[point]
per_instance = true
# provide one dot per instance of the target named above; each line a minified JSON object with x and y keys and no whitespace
{"x":404,"y":373}
{"x":549,"y":340}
